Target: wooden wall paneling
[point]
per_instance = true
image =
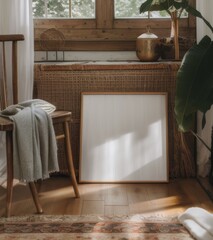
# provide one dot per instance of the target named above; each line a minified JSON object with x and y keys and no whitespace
{"x":153,"y":23}
{"x":105,"y":44}
{"x":104,"y":13}
{"x":91,"y":46}
{"x":96,"y":34}
{"x":65,"y":23}
{"x":107,"y":34}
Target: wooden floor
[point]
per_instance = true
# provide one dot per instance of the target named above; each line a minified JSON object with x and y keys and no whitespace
{"x":57,"y":197}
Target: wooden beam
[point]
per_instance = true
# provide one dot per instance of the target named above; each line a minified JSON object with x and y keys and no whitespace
{"x":11,"y":37}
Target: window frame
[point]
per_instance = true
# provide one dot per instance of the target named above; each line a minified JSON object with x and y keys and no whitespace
{"x":105,"y":33}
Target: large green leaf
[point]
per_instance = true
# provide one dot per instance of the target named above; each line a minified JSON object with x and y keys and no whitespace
{"x":194,"y":90}
{"x":146,"y":6}
{"x":160,"y":5}
{"x":155,"y":5}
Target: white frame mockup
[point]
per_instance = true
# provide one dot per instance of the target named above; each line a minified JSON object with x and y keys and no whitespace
{"x":124,"y":137}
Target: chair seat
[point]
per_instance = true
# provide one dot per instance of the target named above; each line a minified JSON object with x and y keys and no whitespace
{"x":57,"y":116}
{"x":6,"y":124}
{"x":60,"y":116}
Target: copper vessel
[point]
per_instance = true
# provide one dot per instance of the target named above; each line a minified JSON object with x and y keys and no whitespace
{"x":148,"y":47}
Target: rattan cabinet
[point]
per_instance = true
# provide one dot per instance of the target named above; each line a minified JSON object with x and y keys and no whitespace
{"x":62,"y":84}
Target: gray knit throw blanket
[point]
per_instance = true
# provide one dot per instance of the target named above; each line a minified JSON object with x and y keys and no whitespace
{"x":34,"y":142}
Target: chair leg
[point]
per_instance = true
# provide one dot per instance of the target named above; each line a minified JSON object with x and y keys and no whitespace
{"x":70,"y":159}
{"x":34,"y":193}
{"x":9,"y":154}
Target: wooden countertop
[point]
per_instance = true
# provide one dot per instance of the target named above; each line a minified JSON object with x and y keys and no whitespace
{"x":99,"y":65}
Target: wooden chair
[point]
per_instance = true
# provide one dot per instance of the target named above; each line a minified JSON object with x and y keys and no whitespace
{"x":6,"y":125}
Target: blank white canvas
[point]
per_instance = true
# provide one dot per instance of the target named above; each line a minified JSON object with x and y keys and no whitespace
{"x":124,"y":138}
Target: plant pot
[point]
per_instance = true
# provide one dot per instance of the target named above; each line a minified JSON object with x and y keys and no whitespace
{"x":168,"y":48}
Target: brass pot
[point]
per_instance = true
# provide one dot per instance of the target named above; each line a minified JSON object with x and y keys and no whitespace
{"x":148,"y":47}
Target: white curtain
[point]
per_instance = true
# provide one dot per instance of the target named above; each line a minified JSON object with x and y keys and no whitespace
{"x":16,"y":18}
{"x":203,"y":155}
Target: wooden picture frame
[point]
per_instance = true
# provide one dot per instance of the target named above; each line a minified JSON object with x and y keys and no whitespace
{"x":124,"y":137}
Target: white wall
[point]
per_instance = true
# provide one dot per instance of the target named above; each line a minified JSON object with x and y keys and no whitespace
{"x":42,"y":56}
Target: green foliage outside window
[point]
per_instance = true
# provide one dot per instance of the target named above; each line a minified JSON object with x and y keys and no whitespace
{"x":130,"y":9}
{"x":64,"y":8}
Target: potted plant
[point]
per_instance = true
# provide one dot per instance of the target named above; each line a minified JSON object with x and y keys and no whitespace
{"x":175,"y":9}
{"x":194,"y":89}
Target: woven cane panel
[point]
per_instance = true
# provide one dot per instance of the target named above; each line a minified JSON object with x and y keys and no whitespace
{"x":62,"y":85}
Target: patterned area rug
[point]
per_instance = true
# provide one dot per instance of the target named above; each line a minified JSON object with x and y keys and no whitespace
{"x":65,"y":227}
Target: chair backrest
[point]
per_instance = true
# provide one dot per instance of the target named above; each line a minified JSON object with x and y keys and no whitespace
{"x":14,"y":38}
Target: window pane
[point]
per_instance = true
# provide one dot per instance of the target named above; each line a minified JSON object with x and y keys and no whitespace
{"x":128,"y":9}
{"x":83,"y":8}
{"x":57,"y":8}
{"x":159,"y":14}
{"x":64,"y":8}
{"x":184,"y":14}
{"x":38,"y":8}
